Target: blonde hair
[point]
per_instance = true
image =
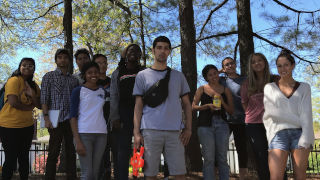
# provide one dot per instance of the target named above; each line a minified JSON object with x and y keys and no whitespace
{"x":253,"y":85}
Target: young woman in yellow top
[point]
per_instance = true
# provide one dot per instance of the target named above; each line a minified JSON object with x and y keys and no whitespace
{"x":22,"y":95}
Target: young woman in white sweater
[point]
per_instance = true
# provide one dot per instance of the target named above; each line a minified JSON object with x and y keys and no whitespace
{"x":288,"y":120}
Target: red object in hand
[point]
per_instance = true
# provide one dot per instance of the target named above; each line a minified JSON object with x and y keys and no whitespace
{"x":137,"y":161}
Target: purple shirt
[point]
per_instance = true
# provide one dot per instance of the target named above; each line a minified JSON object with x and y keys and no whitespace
{"x":255,"y":108}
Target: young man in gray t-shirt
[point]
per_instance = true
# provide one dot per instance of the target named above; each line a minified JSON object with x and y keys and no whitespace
{"x":161,"y":128}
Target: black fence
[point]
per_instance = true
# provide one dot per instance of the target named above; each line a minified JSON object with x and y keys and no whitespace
{"x":39,"y":151}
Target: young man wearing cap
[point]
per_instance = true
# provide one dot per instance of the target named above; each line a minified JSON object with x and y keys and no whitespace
{"x":56,"y":88}
{"x":161,"y":128}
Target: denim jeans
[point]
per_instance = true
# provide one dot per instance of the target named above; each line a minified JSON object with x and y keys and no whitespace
{"x":256,"y":133}
{"x":90,"y":163}
{"x":214,"y":140}
{"x":16,"y":143}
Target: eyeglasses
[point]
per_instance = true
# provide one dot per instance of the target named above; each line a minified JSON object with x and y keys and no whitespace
{"x":229,"y":64}
{"x":30,"y":66}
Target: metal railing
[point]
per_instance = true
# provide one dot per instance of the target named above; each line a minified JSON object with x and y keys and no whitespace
{"x":39,"y":152}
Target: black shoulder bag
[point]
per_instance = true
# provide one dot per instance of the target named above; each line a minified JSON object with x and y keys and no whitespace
{"x":158,"y":92}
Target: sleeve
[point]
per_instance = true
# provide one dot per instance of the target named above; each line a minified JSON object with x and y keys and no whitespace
{"x":305,"y":109}
{"x":75,"y":101}
{"x":45,"y":89}
{"x":114,"y":97}
{"x":12,"y":87}
{"x":244,"y":92}
{"x":268,"y":104}
{"x":138,"y":89}
{"x":185,"y":89}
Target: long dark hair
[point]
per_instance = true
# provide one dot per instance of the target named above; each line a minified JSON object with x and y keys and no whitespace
{"x":287,"y":54}
{"x":30,"y":80}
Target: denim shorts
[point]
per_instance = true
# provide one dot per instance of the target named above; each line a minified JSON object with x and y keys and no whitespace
{"x":286,"y":139}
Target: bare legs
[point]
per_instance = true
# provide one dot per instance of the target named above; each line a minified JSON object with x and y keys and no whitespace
{"x":278,"y":160}
{"x":300,"y":163}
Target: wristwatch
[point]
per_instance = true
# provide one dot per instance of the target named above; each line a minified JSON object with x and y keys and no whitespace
{"x":45,"y":114}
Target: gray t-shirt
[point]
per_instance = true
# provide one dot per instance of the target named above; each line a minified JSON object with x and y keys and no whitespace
{"x":168,"y":115}
{"x":234,"y":85}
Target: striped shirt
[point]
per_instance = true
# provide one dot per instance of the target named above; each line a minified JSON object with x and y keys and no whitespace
{"x":56,"y":91}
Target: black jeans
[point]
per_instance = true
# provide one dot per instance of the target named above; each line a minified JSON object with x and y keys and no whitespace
{"x":123,"y":139}
{"x":258,"y":140}
{"x":56,"y":135}
{"x":240,"y":139}
{"x":16,"y":143}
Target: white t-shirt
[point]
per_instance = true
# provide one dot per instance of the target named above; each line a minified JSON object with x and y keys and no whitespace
{"x":87,"y":106}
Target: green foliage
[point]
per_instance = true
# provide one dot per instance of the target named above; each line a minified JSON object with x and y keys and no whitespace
{"x":5,"y":72}
{"x":314,"y":159}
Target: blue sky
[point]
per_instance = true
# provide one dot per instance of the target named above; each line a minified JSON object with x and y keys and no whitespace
{"x":259,"y":24}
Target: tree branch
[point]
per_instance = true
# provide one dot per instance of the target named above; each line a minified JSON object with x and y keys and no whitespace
{"x":156,"y":10}
{"x":294,"y":10}
{"x":210,"y":14}
{"x":313,"y":68}
{"x":217,"y":35}
{"x":212,"y":36}
{"x":297,"y":29}
{"x":44,"y":14}
{"x":4,"y":22}
{"x":123,"y":7}
{"x":90,"y":48}
{"x":236,"y":50}
{"x":282,"y":47}
{"x":142,"y":34}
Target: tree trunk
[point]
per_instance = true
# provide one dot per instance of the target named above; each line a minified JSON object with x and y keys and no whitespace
{"x":67,"y":30}
{"x":246,"y":46}
{"x":142,"y":35}
{"x":245,"y":37}
{"x":189,"y":68}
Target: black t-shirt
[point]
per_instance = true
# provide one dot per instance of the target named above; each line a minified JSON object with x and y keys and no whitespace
{"x":105,"y":84}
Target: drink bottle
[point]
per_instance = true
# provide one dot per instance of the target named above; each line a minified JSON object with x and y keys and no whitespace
{"x":217,"y":102}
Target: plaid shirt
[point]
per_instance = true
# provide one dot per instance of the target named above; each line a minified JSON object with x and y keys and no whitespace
{"x":56,"y":91}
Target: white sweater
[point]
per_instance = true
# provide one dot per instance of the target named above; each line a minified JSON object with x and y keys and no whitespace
{"x":286,"y":113}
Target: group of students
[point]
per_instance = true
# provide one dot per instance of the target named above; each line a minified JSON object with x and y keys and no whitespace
{"x":98,"y":113}
{"x":272,"y":111}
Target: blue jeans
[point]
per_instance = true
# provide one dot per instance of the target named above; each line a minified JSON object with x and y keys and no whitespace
{"x":90,"y":163}
{"x":214,"y":140}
